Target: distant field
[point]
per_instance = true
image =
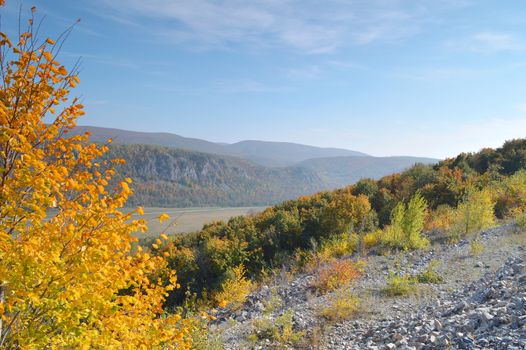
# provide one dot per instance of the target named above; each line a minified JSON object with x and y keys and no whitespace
{"x":191,"y":219}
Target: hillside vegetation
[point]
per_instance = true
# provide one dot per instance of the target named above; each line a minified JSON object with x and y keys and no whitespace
{"x":338,"y":172}
{"x":178,"y":178}
{"x":172,"y":177}
{"x":387,"y":214}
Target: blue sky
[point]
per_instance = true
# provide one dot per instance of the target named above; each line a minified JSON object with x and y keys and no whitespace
{"x":386,"y":77}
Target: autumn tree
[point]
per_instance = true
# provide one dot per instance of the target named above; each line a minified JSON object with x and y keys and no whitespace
{"x":68,"y":277}
{"x":474,"y":213}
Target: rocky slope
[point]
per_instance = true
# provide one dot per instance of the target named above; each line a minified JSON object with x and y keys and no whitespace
{"x":480,"y":305}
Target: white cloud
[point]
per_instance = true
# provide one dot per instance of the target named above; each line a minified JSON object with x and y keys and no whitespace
{"x":304,"y":25}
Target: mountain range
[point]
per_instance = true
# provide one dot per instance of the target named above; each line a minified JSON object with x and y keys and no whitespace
{"x":175,"y":171}
{"x":260,"y":152}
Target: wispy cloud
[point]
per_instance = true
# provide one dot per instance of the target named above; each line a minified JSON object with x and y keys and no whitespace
{"x":308,"y":26}
{"x":439,"y":74}
{"x":305,"y":72}
{"x":487,"y":42}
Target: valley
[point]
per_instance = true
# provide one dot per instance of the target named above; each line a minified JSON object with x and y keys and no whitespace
{"x":188,"y":219}
{"x":173,"y":171}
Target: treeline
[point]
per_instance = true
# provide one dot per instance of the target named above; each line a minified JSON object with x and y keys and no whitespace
{"x":457,"y":196}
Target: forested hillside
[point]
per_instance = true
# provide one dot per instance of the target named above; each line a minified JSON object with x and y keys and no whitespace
{"x":173,"y":177}
{"x":342,"y":171}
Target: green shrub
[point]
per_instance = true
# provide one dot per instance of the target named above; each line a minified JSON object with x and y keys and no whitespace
{"x":399,"y":285}
{"x":429,"y":275}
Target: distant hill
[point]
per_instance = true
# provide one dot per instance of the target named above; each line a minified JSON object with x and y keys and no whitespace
{"x":261,"y":152}
{"x":178,"y":178}
{"x":120,"y":136}
{"x":342,"y":171}
{"x":176,"y":171}
{"x":165,"y":176}
{"x":284,"y":153}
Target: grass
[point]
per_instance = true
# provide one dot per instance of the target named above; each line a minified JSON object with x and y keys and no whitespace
{"x":188,"y":219}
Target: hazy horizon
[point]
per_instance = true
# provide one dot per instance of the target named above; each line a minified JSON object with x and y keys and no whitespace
{"x":427,"y":78}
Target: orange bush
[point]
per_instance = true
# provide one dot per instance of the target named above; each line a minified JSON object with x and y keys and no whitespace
{"x":336,"y":275}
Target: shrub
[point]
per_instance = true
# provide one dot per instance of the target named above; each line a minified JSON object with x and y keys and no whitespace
{"x":372,"y":239}
{"x":399,"y":285}
{"x":234,"y":290}
{"x":510,"y":195}
{"x":441,"y":219}
{"x":280,"y":329}
{"x":476,"y":247}
{"x":407,"y":223}
{"x":336,"y":275}
{"x":429,"y":275}
{"x":342,"y":305}
{"x":330,"y":250}
{"x":521,"y":220}
{"x":475,"y":213}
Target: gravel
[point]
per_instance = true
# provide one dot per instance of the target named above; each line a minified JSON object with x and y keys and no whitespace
{"x":480,"y":305}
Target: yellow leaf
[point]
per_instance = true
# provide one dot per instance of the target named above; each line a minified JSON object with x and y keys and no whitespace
{"x":140,"y":210}
{"x":163,"y":217}
{"x":48,"y":56}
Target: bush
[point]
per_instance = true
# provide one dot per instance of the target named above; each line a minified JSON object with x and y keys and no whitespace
{"x":510,"y":195}
{"x":280,"y":329}
{"x":475,"y":213}
{"x":336,"y":275}
{"x":521,"y":220}
{"x":430,"y":275}
{"x":330,"y":250}
{"x":476,"y":247}
{"x":371,"y":239}
{"x":342,"y":305}
{"x":234,"y":290}
{"x":399,"y":285}
{"x":407,"y":223}
{"x":441,"y":219}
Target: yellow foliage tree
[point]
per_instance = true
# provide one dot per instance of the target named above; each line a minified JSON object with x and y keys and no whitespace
{"x":475,"y":213}
{"x":68,"y":277}
{"x":234,"y":290}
